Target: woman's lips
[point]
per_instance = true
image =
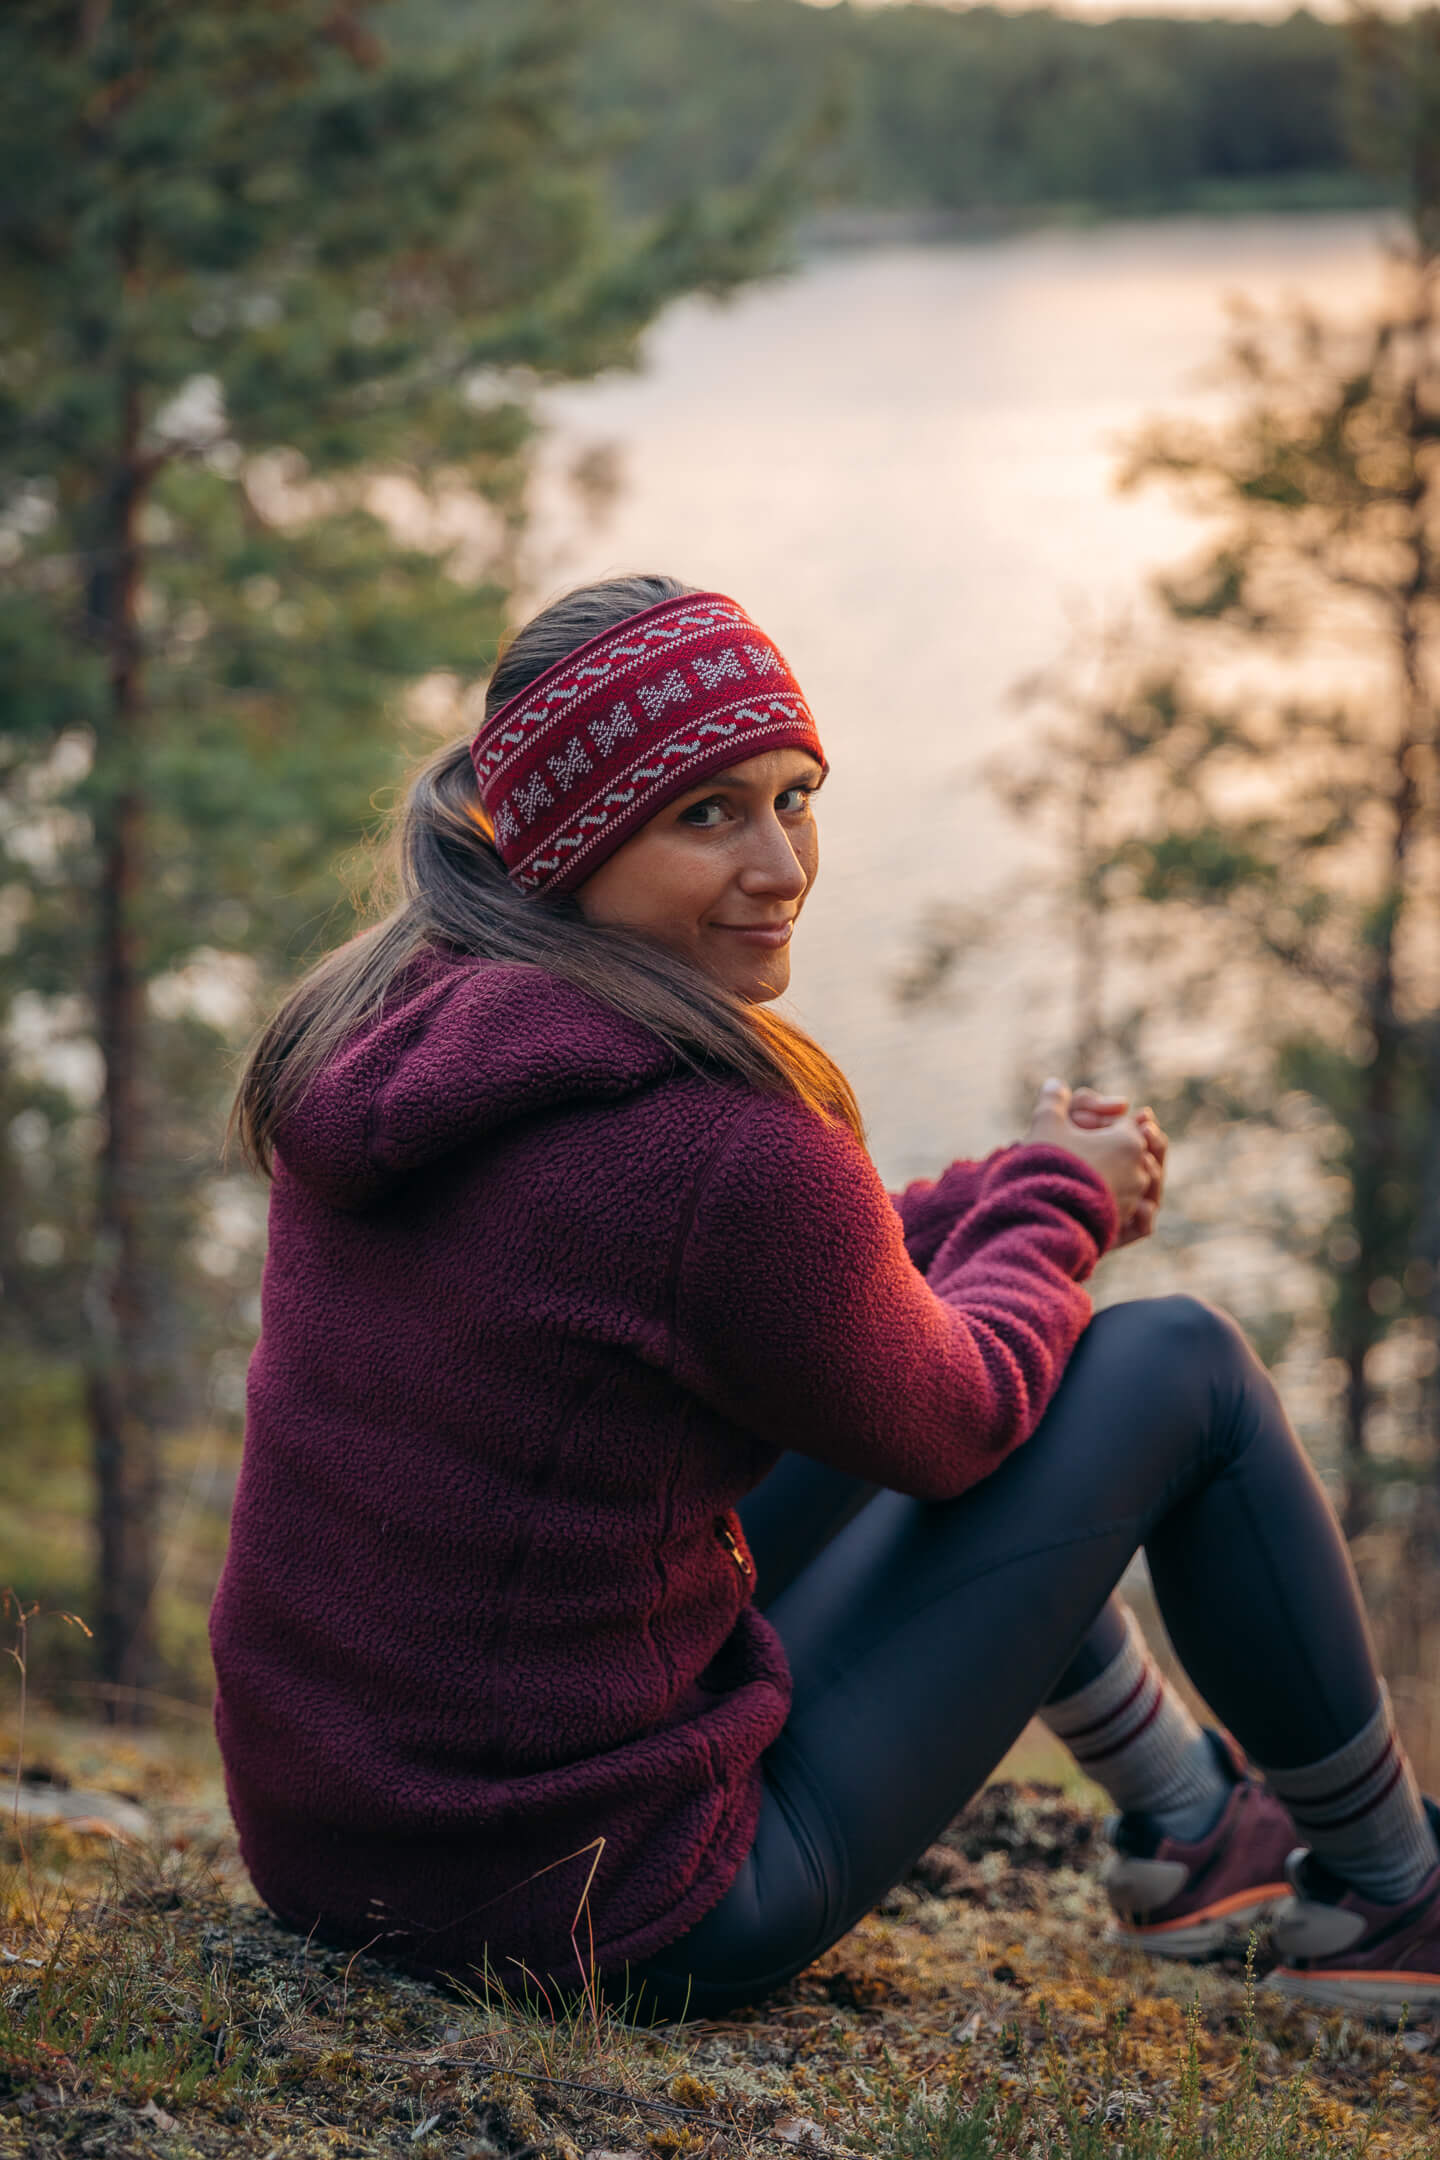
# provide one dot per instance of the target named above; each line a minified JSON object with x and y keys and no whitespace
{"x":770,"y":935}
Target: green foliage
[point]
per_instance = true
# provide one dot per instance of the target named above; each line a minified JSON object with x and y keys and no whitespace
{"x":47,"y":1533}
{"x":955,"y":2127}
{"x":155,"y":2020}
{"x":961,"y":109}
{"x":1393,"y":86}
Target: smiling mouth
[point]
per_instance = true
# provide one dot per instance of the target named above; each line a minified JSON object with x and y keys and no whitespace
{"x":765,"y":934}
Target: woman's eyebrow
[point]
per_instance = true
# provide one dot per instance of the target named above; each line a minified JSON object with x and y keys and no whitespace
{"x":734,"y":779}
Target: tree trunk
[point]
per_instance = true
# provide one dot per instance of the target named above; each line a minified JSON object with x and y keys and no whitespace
{"x":1425,"y":414}
{"x":1376,"y":1163}
{"x":1087,"y":929}
{"x":1429,"y":1246}
{"x":1357,"y":1329}
{"x":121,"y":1414}
{"x":1379,"y":1159}
{"x":1357,"y":1501}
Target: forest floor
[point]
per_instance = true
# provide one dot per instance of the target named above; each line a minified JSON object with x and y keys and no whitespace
{"x":149,"y":2006}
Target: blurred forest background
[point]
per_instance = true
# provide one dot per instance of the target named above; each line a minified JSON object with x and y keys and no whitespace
{"x":281,"y":293}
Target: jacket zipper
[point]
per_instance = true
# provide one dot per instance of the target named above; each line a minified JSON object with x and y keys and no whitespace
{"x":735,"y":1549}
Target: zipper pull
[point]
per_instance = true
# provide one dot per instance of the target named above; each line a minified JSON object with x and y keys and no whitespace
{"x":735,"y":1549}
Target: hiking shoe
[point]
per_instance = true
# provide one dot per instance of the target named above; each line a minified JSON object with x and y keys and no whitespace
{"x":1345,"y":1952}
{"x":1193,"y":1900}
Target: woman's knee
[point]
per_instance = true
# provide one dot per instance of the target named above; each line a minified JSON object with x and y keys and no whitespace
{"x":1176,"y":1342}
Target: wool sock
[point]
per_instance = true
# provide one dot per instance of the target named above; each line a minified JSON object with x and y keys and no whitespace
{"x":1130,"y":1731}
{"x":1360,"y":1811}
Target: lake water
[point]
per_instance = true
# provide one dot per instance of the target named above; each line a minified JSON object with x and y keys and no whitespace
{"x":901,"y":462}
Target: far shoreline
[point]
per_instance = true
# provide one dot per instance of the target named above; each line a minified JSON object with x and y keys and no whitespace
{"x":858,"y":226}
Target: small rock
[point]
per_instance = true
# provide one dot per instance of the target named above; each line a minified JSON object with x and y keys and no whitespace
{"x":101,"y":1814}
{"x":152,"y":2114}
{"x":1417,"y":2043}
{"x":969,"y":2029}
{"x":797,"y":2129}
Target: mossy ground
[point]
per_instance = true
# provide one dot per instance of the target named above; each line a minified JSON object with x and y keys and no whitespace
{"x":148,"y":2005}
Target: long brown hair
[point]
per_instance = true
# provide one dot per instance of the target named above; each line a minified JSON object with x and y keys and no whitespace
{"x":451,"y":891}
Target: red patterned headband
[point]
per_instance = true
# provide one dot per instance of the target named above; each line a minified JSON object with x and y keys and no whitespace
{"x":588,"y":752}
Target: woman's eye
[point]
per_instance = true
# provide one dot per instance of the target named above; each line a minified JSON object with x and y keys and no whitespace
{"x":793,"y":799}
{"x":707,"y":815}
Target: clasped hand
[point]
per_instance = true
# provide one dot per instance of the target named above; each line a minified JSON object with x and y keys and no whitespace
{"x":1127,"y":1151}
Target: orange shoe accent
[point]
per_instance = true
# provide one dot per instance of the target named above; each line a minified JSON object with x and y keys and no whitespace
{"x":1257,"y":1894}
{"x":1359,"y":1972}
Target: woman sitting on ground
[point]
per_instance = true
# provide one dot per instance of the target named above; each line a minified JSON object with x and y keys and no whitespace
{"x":651,"y":1533}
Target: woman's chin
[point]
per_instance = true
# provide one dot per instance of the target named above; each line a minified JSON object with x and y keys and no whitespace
{"x":761,"y":984}
{"x":754,"y":974}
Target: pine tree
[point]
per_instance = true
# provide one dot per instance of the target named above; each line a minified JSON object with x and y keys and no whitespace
{"x":250,"y":261}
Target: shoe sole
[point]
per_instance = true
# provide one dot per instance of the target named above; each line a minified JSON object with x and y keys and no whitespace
{"x":1226,"y":1925}
{"x":1378,"y":1994}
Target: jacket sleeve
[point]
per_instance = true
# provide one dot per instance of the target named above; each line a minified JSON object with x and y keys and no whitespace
{"x":800,"y":1316}
{"x":929,"y":1208}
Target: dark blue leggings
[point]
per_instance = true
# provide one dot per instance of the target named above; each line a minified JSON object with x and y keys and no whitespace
{"x":922,"y":1636}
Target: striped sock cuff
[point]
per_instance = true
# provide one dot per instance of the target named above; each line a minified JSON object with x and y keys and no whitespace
{"x":1340,"y":1789}
{"x":1121,"y":1726}
{"x":1360,"y":1809}
{"x":1111,"y":1703}
{"x":1133,"y":1735}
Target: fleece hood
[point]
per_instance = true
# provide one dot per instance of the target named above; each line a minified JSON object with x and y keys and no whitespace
{"x":462,"y":1048}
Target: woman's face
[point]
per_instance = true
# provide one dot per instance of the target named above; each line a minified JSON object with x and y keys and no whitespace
{"x":721,"y":873}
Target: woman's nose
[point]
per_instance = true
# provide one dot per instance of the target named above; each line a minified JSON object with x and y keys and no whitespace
{"x":771,"y":864}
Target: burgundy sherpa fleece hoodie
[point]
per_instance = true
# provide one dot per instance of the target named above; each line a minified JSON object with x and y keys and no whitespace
{"x":538,"y":1310}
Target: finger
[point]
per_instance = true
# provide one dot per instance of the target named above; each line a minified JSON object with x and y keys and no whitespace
{"x":1155,"y":1133}
{"x":1093,"y":1098}
{"x":1157,"y":1153}
{"x":1095,"y":1112}
{"x":1054,"y":1097}
{"x":1141,"y":1222}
